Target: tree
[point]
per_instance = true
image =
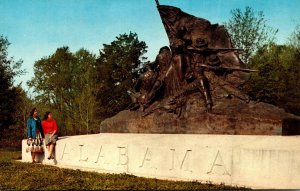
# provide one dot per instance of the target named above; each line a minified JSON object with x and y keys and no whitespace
{"x":85,"y":80}
{"x":25,"y":104}
{"x":117,"y":70}
{"x":77,"y":86}
{"x":64,"y":82}
{"x":52,"y":81}
{"x":249,"y":31}
{"x":294,"y":40}
{"x":278,"y":79}
{"x":8,"y":93}
{"x":17,"y":131}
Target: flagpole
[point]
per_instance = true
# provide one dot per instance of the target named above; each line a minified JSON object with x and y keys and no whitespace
{"x":157,"y":3}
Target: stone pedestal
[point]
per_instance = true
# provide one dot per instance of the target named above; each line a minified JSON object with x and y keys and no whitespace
{"x":228,"y":116}
{"x":243,"y":160}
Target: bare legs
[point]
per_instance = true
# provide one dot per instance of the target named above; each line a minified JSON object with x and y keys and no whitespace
{"x":33,"y":157}
{"x":50,"y":149}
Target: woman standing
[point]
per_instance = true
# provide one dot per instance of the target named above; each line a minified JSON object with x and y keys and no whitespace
{"x":34,"y":134}
{"x":50,"y":129}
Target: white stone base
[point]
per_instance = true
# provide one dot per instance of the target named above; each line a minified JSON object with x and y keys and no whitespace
{"x":251,"y":161}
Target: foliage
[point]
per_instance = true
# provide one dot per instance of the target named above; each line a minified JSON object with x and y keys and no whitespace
{"x":8,"y":93}
{"x":117,"y":69}
{"x":28,"y":176}
{"x":278,"y":79}
{"x":17,"y":131}
{"x":64,"y":83}
{"x":85,"y":79}
{"x":80,"y":90}
{"x":249,"y":31}
{"x":294,"y":40}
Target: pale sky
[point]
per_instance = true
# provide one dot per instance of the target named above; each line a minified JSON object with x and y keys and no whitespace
{"x":36,"y":28}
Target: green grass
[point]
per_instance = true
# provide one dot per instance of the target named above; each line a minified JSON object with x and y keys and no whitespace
{"x":28,"y":176}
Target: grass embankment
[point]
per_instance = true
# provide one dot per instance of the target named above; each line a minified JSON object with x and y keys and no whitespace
{"x":28,"y":176}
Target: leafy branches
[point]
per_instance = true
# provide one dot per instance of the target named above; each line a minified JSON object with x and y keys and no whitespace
{"x":117,"y":69}
{"x":249,"y":31}
{"x":83,"y":89}
{"x":65,"y":82}
{"x":278,"y":79}
{"x":9,"y":95}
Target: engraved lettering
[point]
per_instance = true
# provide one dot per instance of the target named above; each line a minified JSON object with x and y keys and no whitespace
{"x":185,"y":160}
{"x":219,"y":164}
{"x":80,"y":155}
{"x":123,"y":157}
{"x":64,"y":152}
{"x":99,"y":155}
{"x":147,"y":157}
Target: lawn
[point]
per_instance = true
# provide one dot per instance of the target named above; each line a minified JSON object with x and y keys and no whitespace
{"x":27,"y":176}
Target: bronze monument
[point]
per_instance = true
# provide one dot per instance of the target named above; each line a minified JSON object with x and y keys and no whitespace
{"x":193,"y":86}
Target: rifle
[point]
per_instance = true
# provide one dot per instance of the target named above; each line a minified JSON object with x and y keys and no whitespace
{"x":227,"y":68}
{"x":208,"y":50}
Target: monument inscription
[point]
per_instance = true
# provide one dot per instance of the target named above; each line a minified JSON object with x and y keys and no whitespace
{"x":254,"y":161}
{"x":176,"y":159}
